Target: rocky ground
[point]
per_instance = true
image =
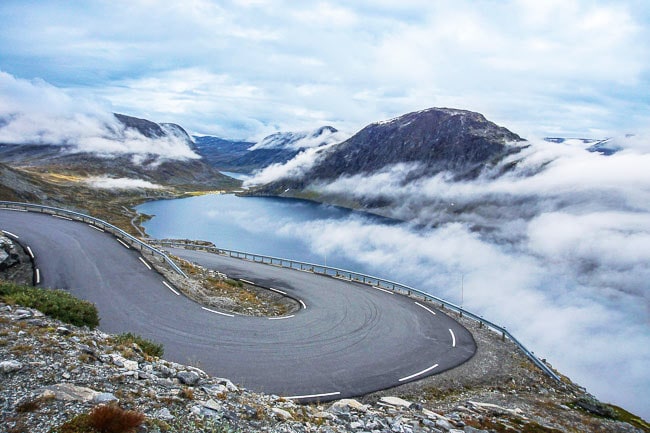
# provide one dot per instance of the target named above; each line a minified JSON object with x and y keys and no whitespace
{"x":52,"y":373}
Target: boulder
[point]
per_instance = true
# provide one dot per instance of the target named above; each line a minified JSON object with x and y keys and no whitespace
{"x":188,"y":378}
{"x":70,"y":392}
{"x":281,"y":414}
{"x":10,"y":366}
{"x":396,"y":401}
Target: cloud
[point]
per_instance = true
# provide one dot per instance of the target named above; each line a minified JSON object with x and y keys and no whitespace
{"x":103,"y":182}
{"x":294,"y":168}
{"x":35,"y":112}
{"x":558,"y":250}
{"x":244,"y":69}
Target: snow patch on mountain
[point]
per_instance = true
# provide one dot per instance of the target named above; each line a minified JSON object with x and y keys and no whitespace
{"x":300,"y":140}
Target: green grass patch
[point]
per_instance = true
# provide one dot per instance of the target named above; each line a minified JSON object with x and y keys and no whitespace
{"x":149,"y":347}
{"x":57,"y":304}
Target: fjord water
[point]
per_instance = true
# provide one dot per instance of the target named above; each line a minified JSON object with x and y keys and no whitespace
{"x":262,"y":225}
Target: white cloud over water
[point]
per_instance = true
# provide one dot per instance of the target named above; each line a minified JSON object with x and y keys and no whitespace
{"x":558,"y":250}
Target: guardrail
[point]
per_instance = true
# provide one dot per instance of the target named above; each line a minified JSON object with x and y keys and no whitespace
{"x":115,"y":231}
{"x":365,"y":279}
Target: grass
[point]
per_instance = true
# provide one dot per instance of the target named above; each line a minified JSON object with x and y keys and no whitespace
{"x":149,"y":347}
{"x":54,"y":303}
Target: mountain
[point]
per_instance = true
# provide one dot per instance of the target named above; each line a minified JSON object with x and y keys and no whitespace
{"x":277,"y":148}
{"x":428,"y":142}
{"x":220,"y":153}
{"x":128,"y":153}
{"x":603,"y":146}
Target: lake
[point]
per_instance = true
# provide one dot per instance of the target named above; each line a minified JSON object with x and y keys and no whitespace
{"x":262,"y":225}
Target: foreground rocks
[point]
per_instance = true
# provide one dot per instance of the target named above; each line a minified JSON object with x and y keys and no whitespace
{"x":50,"y":372}
{"x":15,"y":264}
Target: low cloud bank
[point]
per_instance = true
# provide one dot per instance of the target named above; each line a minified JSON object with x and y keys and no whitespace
{"x":292,"y":169}
{"x":557,"y":250}
{"x":35,"y":112}
{"x":120,"y":183}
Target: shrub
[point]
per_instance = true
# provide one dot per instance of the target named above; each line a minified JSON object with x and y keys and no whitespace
{"x":149,"y":347}
{"x":103,"y":419}
{"x":54,"y":303}
{"x":114,"y":419}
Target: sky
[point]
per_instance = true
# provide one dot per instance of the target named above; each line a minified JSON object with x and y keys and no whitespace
{"x":247,"y":68}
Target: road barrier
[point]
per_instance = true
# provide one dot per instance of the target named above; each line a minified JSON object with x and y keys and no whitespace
{"x":120,"y":234}
{"x":364,"y":279}
{"x":276,"y":261}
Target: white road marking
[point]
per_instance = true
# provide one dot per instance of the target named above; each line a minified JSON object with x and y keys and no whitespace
{"x":418,"y":373}
{"x":29,"y":251}
{"x":247,"y":282}
{"x":280,"y":318}
{"x":277,"y":291}
{"x":125,"y":245}
{"x":171,"y":288}
{"x":38,"y":276}
{"x":453,"y":338}
{"x":15,"y":210}
{"x":327,"y":394}
{"x":218,"y":312}
{"x":62,"y":217}
{"x":303,"y":304}
{"x":426,"y":308}
{"x":10,"y":234}
{"x":145,"y":263}
{"x":96,"y":228}
{"x":383,"y":290}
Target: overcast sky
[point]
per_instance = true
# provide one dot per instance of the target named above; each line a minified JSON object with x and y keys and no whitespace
{"x":247,"y":68}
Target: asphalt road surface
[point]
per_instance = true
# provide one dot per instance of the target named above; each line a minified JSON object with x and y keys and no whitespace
{"x":349,"y":339}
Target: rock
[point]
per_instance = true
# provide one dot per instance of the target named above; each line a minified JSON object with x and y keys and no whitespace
{"x":281,"y":414}
{"x":70,"y":392}
{"x":104,"y":397}
{"x":351,"y":404}
{"x":23,"y":314}
{"x":324,"y":415}
{"x":396,"y":401}
{"x":62,"y":330}
{"x":469,"y":429}
{"x":356,"y":425}
{"x":163,"y":414}
{"x":10,"y":366}
{"x":228,"y":384}
{"x":214,"y":390}
{"x":118,"y":359}
{"x":211,"y":404}
{"x":188,"y":378}
{"x":443,"y":424}
{"x":130,"y":365}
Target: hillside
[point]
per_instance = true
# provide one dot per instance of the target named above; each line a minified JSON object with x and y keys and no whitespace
{"x":458,"y":143}
{"x":56,"y":375}
{"x":277,"y":148}
{"x":138,"y":160}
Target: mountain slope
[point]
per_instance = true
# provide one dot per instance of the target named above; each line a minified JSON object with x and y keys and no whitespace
{"x":129,"y":153}
{"x":277,"y":148}
{"x":429,"y":142}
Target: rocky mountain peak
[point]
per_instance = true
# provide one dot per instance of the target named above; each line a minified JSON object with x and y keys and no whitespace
{"x":438,"y":139}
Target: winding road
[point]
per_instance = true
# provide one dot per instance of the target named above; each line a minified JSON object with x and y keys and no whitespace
{"x":348,"y":340}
